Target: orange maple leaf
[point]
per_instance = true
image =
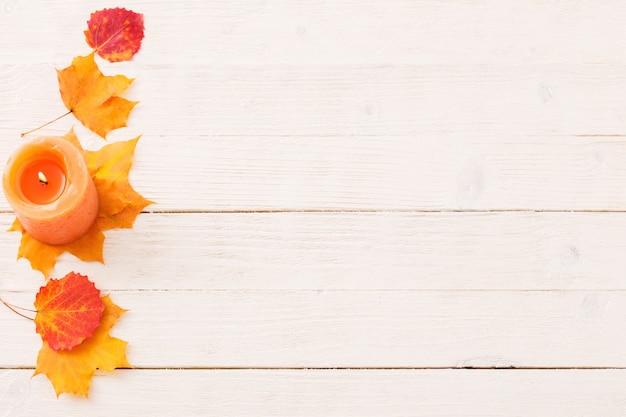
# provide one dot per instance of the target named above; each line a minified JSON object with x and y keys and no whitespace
{"x":119,"y":206}
{"x":119,"y":202}
{"x":70,"y":371}
{"x":93,"y":97}
{"x":68,"y":311}
{"x":115,"y":34}
{"x":42,"y":256}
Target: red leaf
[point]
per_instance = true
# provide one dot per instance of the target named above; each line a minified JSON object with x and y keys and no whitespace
{"x":68,"y":311}
{"x":115,"y":34}
{"x":70,"y":371}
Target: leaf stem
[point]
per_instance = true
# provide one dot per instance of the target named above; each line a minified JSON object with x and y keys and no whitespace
{"x":45,"y":124}
{"x":15,"y":308}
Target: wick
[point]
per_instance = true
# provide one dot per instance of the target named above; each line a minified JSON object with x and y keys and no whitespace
{"x":42,"y":178}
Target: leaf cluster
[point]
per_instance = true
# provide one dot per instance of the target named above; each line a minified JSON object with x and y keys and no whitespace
{"x":72,"y":318}
{"x":74,"y":324}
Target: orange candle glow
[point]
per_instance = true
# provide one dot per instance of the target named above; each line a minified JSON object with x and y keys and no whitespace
{"x":48,"y":185}
{"x":42,"y":181}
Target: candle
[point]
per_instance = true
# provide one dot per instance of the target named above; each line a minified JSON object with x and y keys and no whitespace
{"x":48,"y":185}
{"x":42,"y":181}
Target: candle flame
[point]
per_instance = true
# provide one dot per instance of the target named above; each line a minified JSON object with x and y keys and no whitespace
{"x":42,"y":178}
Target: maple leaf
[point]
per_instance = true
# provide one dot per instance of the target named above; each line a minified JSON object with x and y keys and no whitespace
{"x":119,"y":202}
{"x":119,"y":205}
{"x":68,"y":311}
{"x":42,"y":256}
{"x":70,"y":371}
{"x":93,"y":97}
{"x":115,"y":34}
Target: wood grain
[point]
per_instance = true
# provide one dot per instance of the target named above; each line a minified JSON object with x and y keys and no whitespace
{"x":423,"y":101}
{"x":351,"y":251}
{"x":399,"y":189}
{"x":355,"y":329}
{"x":448,"y":172}
{"x":344,"y":32}
{"x":420,"y":393}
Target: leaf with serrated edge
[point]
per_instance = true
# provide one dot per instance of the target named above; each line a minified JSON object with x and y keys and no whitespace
{"x":70,"y":371}
{"x":68,"y":311}
{"x":115,"y":34}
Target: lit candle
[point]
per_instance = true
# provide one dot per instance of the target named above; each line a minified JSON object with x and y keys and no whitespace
{"x":48,"y":185}
{"x":42,"y":181}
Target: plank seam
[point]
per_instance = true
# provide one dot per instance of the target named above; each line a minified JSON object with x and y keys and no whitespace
{"x":371,"y":211}
{"x":376,"y":368}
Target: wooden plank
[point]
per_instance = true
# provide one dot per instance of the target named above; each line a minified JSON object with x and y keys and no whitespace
{"x":386,"y":250}
{"x":185,"y":100}
{"x":291,"y":393}
{"x":447,"y":172}
{"x":354,"y":329}
{"x":390,"y":107}
{"x":339,"y":32}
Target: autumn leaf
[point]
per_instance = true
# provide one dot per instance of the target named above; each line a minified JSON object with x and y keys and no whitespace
{"x":119,"y":205}
{"x":115,"y":34}
{"x":42,"y":257}
{"x":119,"y":202}
{"x":93,"y":97}
{"x":68,"y":311}
{"x":70,"y":371}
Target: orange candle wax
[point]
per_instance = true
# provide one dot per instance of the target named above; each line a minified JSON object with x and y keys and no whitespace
{"x":42,"y":181}
{"x":48,"y":185}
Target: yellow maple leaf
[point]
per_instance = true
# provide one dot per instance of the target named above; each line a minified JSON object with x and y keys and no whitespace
{"x":119,"y":202}
{"x":93,"y":97}
{"x":70,"y":371}
{"x":42,"y":256}
{"x":119,"y":205}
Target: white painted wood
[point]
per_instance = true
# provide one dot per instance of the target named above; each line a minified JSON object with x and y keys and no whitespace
{"x":446,"y":172}
{"x":264,"y":122}
{"x":343,"y":32}
{"x":349,"y":251}
{"x":290,"y":393}
{"x":321,"y":100}
{"x":354,"y":329}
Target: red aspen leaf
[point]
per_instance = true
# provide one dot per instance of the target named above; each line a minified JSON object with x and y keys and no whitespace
{"x":93,"y":97}
{"x":70,"y":371}
{"x":119,"y":205}
{"x":115,"y":34}
{"x":68,"y":311}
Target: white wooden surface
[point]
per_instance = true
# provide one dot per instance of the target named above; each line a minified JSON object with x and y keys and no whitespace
{"x":364,"y":208}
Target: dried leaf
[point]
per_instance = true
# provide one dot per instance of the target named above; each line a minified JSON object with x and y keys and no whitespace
{"x":68,"y":311}
{"x":115,"y":34}
{"x":119,"y":206}
{"x":119,"y":202}
{"x":93,"y":97}
{"x":70,"y":371}
{"x":42,"y":257}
